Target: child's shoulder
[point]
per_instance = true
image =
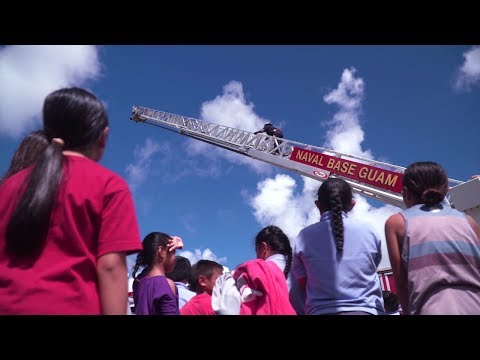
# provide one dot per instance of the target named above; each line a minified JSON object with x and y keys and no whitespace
{"x":172,"y":285}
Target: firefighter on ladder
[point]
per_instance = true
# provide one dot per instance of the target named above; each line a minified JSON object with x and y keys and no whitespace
{"x":271,"y":130}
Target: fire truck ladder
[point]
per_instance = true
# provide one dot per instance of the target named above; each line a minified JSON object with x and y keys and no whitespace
{"x":275,"y":151}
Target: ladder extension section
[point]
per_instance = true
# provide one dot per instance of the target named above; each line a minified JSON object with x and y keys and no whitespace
{"x":375,"y":179}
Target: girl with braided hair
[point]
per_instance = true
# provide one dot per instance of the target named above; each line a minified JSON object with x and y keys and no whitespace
{"x":335,"y":260}
{"x":153,"y":292}
{"x":258,"y":286}
{"x":272,"y":244}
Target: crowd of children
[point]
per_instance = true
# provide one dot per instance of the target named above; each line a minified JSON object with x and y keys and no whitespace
{"x":68,"y":224}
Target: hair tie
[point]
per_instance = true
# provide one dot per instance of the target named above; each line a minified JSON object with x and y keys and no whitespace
{"x":59,"y":141}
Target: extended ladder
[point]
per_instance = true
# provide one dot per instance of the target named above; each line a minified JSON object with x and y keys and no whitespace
{"x":378,"y":180}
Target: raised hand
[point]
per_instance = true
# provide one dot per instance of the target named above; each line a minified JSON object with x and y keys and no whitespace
{"x":175,"y":242}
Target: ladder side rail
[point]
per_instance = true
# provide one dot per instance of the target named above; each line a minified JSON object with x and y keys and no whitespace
{"x":231,"y":135}
{"x":305,"y":170}
{"x":197,"y":136}
{"x":218,"y":131}
{"x":374,"y":163}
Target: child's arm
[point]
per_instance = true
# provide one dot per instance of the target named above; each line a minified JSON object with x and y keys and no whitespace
{"x":113,"y":283}
{"x":394,"y":234}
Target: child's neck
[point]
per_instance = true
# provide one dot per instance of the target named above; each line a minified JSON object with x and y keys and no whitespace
{"x":156,"y":270}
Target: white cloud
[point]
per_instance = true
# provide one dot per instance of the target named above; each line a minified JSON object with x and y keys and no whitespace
{"x":233,"y":110}
{"x":198,"y":254}
{"x":468,"y":74}
{"x":138,"y":171}
{"x":30,"y":72}
{"x":277,"y":203}
{"x":346,"y":136}
{"x":349,"y":93}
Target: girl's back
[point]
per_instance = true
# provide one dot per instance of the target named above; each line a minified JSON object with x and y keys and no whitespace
{"x":155,"y":297}
{"x":89,"y":196}
{"x":346,"y":282}
{"x":442,"y":255}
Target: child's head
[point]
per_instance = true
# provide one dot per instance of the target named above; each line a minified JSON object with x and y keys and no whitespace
{"x":181,"y":271}
{"x":272,"y":240}
{"x":155,"y":251}
{"x":424,"y":182}
{"x":75,"y":116}
{"x":390,"y":301}
{"x":204,"y":275}
{"x":335,"y":195}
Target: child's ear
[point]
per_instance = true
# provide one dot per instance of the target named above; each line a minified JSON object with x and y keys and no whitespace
{"x":352,"y":204}
{"x":263,"y":246}
{"x":161,"y":252}
{"x":202,"y":281}
{"x":103,"y":139}
{"x":264,"y":249}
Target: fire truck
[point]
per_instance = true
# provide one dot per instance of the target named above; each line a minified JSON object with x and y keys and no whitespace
{"x":371,"y":178}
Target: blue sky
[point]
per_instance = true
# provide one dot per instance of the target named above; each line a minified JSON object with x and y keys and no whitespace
{"x":398,"y":104}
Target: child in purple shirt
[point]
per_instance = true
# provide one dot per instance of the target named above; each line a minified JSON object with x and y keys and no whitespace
{"x":153,"y":293}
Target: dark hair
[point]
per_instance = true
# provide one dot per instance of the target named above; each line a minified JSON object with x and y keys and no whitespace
{"x":203,"y":268}
{"x":181,"y":271}
{"x":31,"y":147}
{"x":278,"y":242}
{"x":77,"y":117}
{"x":335,"y":195}
{"x":427,"y":181}
{"x":390,"y":301}
{"x":151,"y":243}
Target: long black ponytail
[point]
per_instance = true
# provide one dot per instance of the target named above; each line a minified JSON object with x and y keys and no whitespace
{"x":77,"y":119}
{"x":31,"y":147}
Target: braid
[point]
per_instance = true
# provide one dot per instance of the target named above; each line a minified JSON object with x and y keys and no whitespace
{"x":335,"y":195}
{"x":288,"y":263}
{"x":138,"y":263}
{"x":336,"y":209}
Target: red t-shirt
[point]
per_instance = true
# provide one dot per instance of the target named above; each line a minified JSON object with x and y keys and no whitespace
{"x":200,"y":304}
{"x":93,"y":215}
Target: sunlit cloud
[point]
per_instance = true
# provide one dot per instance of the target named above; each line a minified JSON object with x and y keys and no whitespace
{"x":233,"y":110}
{"x":28,"y":73}
{"x":468,"y":74}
